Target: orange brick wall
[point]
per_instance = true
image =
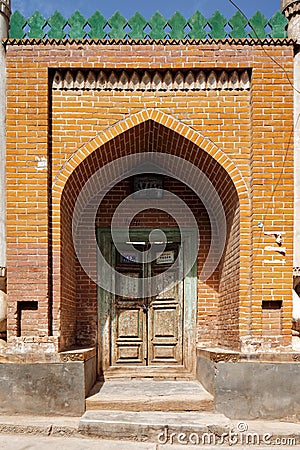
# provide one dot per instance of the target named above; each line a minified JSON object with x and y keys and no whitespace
{"x":247,"y":132}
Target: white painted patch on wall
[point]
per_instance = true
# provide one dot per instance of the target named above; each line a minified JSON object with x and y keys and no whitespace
{"x":296,"y":305}
{"x":41,"y":163}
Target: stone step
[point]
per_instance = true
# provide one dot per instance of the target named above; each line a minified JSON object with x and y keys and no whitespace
{"x":145,"y":395}
{"x":158,"y":427}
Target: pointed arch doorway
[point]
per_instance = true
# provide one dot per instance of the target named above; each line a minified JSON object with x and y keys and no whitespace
{"x":148,"y":335}
{"x":77,"y":312}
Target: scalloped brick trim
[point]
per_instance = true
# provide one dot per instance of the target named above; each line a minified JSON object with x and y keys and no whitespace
{"x":146,"y":80}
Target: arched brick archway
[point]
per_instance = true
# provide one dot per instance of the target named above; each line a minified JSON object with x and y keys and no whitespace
{"x":75,"y":305}
{"x":158,"y":117}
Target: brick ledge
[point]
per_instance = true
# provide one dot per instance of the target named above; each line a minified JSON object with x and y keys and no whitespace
{"x":226,"y":355}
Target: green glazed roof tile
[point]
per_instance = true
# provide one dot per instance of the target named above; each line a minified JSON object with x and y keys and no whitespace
{"x":217,"y":23}
{"x":57,"y":23}
{"x":177,"y":23}
{"x":135,"y":28}
{"x":97,"y":23}
{"x":238,"y":23}
{"x":117,"y":23}
{"x":278,"y":24}
{"x":258,"y":23}
{"x":17,"y":24}
{"x":36,"y":23}
{"x":77,"y":23}
{"x":137,"y":24}
{"x":157,"y":24}
{"x":197,"y":23}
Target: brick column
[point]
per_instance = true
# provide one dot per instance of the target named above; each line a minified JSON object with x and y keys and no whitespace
{"x":4,"y":26}
{"x":272,"y":200}
{"x":27,"y":201}
{"x":291,"y":10}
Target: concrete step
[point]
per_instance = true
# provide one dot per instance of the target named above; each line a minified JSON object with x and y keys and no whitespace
{"x":145,"y":395}
{"x":49,"y":432}
{"x":151,"y":426}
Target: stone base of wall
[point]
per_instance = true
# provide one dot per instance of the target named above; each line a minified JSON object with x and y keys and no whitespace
{"x":244,"y":386}
{"x":251,"y":386}
{"x":53,"y":388}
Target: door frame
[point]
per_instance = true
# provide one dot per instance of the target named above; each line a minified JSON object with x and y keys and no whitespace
{"x":105,"y":299}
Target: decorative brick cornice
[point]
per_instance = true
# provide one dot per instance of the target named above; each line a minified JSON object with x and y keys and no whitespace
{"x":5,"y":8}
{"x":147,"y":80}
{"x":296,"y":272}
{"x":290,"y":8}
{"x":132,"y":42}
{"x":285,"y":3}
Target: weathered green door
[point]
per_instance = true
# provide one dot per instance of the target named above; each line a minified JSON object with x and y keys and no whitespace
{"x":147,"y":329}
{"x":150,"y":331}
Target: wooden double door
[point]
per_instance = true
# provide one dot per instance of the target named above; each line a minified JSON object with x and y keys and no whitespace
{"x":147,"y":322}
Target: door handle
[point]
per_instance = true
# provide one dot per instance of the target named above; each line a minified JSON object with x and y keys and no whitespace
{"x":144,"y":308}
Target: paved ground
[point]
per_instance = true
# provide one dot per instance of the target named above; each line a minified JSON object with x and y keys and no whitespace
{"x":149,"y":388}
{"x":62,"y":433}
{"x":13,"y":442}
{"x":149,"y":395}
{"x":20,"y":442}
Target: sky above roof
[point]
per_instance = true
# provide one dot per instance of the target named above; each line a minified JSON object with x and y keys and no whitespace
{"x":146,"y":8}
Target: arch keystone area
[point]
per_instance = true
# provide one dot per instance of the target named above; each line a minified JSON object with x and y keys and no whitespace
{"x":133,"y":120}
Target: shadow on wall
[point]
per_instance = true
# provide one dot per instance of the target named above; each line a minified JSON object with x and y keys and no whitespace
{"x":3,"y":307}
{"x":296,"y":315}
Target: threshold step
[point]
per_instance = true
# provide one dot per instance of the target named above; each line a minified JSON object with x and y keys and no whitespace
{"x":151,"y":426}
{"x":145,"y":395}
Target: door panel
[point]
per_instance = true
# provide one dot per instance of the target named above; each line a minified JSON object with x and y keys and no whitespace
{"x":130,"y":287}
{"x":128,"y":322}
{"x":164,"y":321}
{"x":129,"y":343}
{"x":166,"y":309}
{"x":164,"y":334}
{"x":167,"y":287}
